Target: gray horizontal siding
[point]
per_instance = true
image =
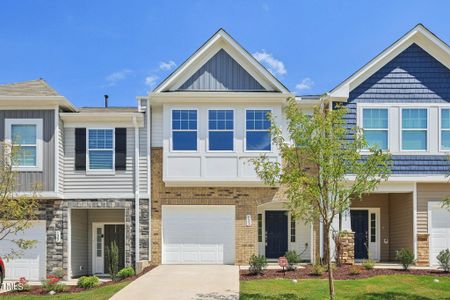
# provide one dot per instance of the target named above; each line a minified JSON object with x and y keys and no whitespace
{"x":45,"y":180}
{"x":221,"y":73}
{"x":413,"y":76}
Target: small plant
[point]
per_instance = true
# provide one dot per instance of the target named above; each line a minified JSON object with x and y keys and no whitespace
{"x":257,"y":264}
{"x":112,"y":254}
{"x":444,"y":260}
{"x":406,"y":258}
{"x":354,"y":270}
{"x":369,"y":264}
{"x":59,"y":272}
{"x":293,"y":259}
{"x":125,"y":272}
{"x":87,"y":282}
{"x":23,"y":285}
{"x":317,"y":270}
{"x":52,"y":283}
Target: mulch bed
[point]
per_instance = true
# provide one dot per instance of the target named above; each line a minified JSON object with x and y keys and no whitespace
{"x":37,"y":290}
{"x":341,"y":273}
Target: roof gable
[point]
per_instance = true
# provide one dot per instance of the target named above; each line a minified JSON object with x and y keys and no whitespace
{"x":28,"y":88}
{"x":201,"y":63}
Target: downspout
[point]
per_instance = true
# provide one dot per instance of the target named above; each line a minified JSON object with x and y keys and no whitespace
{"x":149,"y":174}
{"x":136,"y":190}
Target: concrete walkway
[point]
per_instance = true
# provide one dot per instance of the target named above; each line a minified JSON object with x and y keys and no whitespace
{"x":184,"y":283}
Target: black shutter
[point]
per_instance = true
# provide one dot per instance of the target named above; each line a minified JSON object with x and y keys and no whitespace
{"x":80,"y":148}
{"x":121,"y":148}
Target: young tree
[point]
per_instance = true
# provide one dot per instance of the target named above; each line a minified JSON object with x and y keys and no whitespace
{"x":319,"y":154}
{"x":16,"y":210}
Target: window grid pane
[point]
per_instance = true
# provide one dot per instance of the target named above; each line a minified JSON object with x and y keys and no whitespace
{"x":414,"y":129}
{"x":260,"y":228}
{"x":445,"y":129}
{"x":221,"y":135}
{"x":292,"y":230}
{"x":373,"y":228}
{"x":24,"y":139}
{"x":101,"y":149}
{"x":258,"y":130}
{"x":375,"y":118}
{"x":414,"y":118}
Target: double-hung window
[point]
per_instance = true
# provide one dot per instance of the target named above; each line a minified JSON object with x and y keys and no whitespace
{"x":220,"y":130}
{"x":375,"y":127}
{"x":414,"y":129}
{"x":257,"y":135}
{"x":101,"y":149}
{"x":445,"y":129}
{"x":25,"y":138}
{"x":184,"y":130}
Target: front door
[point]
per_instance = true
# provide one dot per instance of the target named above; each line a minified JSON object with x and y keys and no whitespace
{"x":276,"y":233}
{"x":360,"y":226}
{"x":115,"y":232}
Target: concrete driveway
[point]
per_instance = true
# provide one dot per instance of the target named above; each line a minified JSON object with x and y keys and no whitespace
{"x":183,"y":283}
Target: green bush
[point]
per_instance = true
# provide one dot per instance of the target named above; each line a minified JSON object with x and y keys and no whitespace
{"x":292,"y":258}
{"x":444,"y":260}
{"x":112,"y":254}
{"x":369,"y":264}
{"x":125,"y":272}
{"x":52,"y":283}
{"x":406,"y":258}
{"x":257,"y":264}
{"x":317,"y":270}
{"x":87,"y":282}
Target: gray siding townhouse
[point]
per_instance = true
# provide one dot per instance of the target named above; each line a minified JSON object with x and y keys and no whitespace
{"x":171,"y":180}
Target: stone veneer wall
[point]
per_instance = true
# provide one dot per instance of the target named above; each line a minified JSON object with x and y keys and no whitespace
{"x":56,"y":212}
{"x":348,"y":247}
{"x":244,"y":199}
{"x":423,"y":249}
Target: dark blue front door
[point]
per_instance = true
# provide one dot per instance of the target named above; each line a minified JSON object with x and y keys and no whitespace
{"x":360,"y":226}
{"x":276,"y":233}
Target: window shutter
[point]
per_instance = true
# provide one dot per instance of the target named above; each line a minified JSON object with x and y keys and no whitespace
{"x":121,"y":148}
{"x":80,"y":148}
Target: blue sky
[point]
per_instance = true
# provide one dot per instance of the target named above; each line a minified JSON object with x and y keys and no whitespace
{"x":86,"y":49}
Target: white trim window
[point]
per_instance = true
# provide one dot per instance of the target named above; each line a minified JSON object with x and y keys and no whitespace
{"x":445,"y":129}
{"x":257,"y":135}
{"x":100,"y":149}
{"x":25,"y":135}
{"x":220,"y":130}
{"x":184,"y":130}
{"x":375,"y":127}
{"x":414,"y":129}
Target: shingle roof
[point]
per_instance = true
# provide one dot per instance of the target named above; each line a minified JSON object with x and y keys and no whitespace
{"x":38,"y":87}
{"x":111,"y":109}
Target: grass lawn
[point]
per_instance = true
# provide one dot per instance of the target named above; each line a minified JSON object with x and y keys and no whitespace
{"x":101,"y":293}
{"x":380,"y":287}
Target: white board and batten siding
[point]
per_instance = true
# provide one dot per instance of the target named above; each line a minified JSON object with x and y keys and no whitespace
{"x":439,"y":230}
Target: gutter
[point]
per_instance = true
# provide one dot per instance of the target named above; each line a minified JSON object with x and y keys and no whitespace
{"x":149,"y":174}
{"x":136,"y":191}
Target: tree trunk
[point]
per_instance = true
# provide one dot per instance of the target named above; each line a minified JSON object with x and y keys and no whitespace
{"x":330,"y":269}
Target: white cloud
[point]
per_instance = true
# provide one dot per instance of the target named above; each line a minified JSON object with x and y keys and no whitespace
{"x":113,"y":78}
{"x":305,"y":84}
{"x":151,"y":80}
{"x":275,"y":66}
{"x":167,"y":66}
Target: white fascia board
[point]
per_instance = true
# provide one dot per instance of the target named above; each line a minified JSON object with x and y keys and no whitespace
{"x":183,"y":182}
{"x":419,"y":35}
{"x":102,"y":118}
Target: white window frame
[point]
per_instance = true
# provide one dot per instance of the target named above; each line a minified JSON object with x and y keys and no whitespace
{"x":221,"y":130}
{"x":361,"y":123}
{"x":414,"y":129}
{"x":441,"y":129}
{"x":173,"y":130}
{"x":39,"y":141}
{"x":256,"y":130}
{"x":97,"y":171}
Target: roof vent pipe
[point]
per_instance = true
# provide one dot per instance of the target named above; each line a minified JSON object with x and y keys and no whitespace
{"x":106,"y":100}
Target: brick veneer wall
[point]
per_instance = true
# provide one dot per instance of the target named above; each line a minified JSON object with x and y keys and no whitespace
{"x":244,"y":199}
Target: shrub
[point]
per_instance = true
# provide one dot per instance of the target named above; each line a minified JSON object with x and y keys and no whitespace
{"x":87,"y":282}
{"x":23,"y":285}
{"x":369,"y":264}
{"x":257,"y":264}
{"x":317,"y":270}
{"x":59,"y":272}
{"x":354,"y":270}
{"x":125,"y":272}
{"x":292,"y":258}
{"x":52,"y":283}
{"x":406,"y":258}
{"x":444,"y":260}
{"x":112,"y":254}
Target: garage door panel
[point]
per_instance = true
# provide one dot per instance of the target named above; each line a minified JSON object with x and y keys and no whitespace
{"x":439,"y":231}
{"x":198,"y":234}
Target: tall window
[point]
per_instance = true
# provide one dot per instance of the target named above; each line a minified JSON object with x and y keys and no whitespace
{"x":293,"y":232}
{"x":375,"y":126}
{"x":373,"y":228}
{"x":184,"y":130}
{"x":257,"y":130}
{"x":101,"y":149}
{"x":221,"y":126}
{"x":414,"y":128}
{"x":445,"y":129}
{"x":260,"y":235}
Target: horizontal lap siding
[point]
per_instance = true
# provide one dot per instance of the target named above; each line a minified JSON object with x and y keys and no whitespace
{"x":428,"y":192}
{"x":401,"y":223}
{"x":61,"y":157}
{"x":143,"y":167}
{"x":157,"y":126}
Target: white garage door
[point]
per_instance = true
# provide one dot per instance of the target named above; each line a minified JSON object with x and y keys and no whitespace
{"x":198,"y":234}
{"x":439,"y":231}
{"x":31,"y":264}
